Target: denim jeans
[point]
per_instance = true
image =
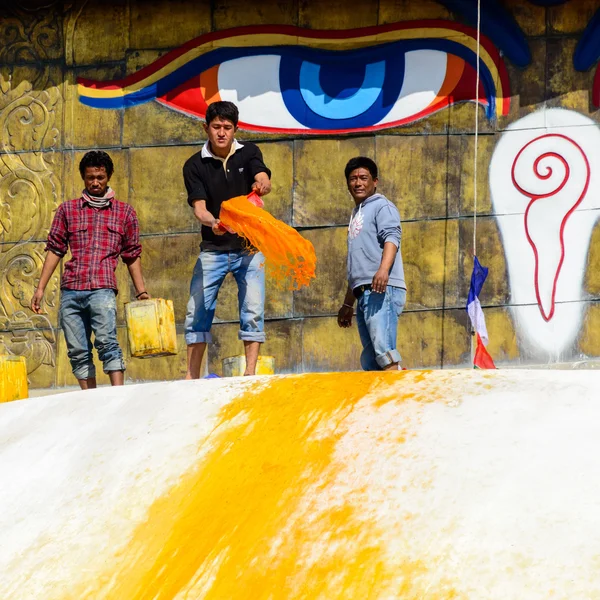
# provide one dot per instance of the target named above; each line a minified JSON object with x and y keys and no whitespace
{"x":209,"y":273}
{"x":81,"y":313}
{"x":377,"y":319}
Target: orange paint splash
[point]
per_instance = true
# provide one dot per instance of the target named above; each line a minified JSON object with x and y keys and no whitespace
{"x":289,"y":254}
{"x":249,"y":521}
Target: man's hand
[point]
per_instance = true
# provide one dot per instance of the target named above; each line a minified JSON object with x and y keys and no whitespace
{"x":217,"y":228}
{"x":36,"y":302}
{"x":144,"y":296}
{"x":262,"y":185}
{"x":345,"y":316}
{"x":380,"y":281}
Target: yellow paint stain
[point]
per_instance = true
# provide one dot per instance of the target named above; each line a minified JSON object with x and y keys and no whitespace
{"x":253,"y":519}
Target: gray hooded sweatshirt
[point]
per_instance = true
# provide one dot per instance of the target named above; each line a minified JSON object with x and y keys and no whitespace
{"x":374,"y":222}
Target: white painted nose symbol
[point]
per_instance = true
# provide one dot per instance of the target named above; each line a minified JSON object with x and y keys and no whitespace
{"x":545,"y":189}
{"x":549,"y":209}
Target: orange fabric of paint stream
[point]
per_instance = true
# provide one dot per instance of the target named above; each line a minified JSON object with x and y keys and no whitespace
{"x":289,"y":254}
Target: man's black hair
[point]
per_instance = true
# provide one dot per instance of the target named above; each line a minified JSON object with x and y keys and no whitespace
{"x":223,"y":109}
{"x":96,"y":158}
{"x":361,"y":162}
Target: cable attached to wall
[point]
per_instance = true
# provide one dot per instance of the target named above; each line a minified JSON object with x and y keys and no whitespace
{"x":476,"y":154}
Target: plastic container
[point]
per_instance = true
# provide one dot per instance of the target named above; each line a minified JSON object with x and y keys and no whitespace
{"x":234,"y":366}
{"x":13,"y":378}
{"x":151,"y":328}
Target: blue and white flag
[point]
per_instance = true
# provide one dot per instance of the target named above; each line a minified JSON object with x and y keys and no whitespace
{"x":473,"y":306}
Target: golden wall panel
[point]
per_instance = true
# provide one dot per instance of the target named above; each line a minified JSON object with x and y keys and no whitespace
{"x":31,"y":32}
{"x":186,"y":20}
{"x":279,"y":157}
{"x":461,"y":152}
{"x":461,"y":119}
{"x":530,"y":18}
{"x":567,"y":87}
{"x":31,"y":108}
{"x":284,"y":342}
{"x":152,"y":124}
{"x":97,"y":32}
{"x":571,"y":17}
{"x":589,"y":337}
{"x":328,"y":347}
{"x":321,"y":195}
{"x":326,"y":293}
{"x":30,"y":189}
{"x":503,"y":346}
{"x":528,"y":86}
{"x":87,"y":127}
{"x":163,"y":368}
{"x":402,"y":161}
{"x":20,"y":269}
{"x":490,"y":253}
{"x":161,"y":208}
{"x":430,"y":253}
{"x":235,"y":13}
{"x":592,"y":273}
{"x":393,"y":11}
{"x":433,"y":338}
{"x":73,"y":182}
{"x":168,"y":263}
{"x":334,"y":14}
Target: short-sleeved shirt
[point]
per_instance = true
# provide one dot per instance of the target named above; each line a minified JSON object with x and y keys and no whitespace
{"x":216,"y":180}
{"x":96,"y":238}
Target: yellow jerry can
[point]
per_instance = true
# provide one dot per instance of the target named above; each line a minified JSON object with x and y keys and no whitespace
{"x":234,"y":366}
{"x":151,"y":328}
{"x":13,"y":378}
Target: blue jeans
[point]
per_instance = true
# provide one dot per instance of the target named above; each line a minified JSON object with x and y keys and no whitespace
{"x":377,"y":319}
{"x":81,"y":313}
{"x":209,"y":273}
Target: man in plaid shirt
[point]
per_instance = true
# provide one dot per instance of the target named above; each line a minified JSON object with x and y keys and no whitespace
{"x":97,"y":229}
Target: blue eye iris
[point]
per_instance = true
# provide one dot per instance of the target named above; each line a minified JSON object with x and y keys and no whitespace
{"x":326,"y":90}
{"x":327,"y":95}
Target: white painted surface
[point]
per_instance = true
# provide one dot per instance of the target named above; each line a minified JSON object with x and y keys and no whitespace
{"x":546,"y":340}
{"x":252,"y":83}
{"x":424,"y":75}
{"x":490,"y":479}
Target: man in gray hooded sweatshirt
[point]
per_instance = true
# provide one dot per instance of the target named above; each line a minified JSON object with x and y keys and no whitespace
{"x":375,"y":270}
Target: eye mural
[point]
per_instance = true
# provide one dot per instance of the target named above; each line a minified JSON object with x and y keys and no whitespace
{"x":299,"y":81}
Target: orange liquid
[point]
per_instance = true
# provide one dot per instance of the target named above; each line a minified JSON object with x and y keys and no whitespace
{"x":291,"y":257}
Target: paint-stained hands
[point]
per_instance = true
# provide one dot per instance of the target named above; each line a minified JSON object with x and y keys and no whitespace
{"x":262,"y":185}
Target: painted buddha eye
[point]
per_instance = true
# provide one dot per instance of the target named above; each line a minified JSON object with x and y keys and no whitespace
{"x":310,"y":88}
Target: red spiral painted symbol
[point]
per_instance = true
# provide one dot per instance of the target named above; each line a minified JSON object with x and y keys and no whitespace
{"x":533,"y":196}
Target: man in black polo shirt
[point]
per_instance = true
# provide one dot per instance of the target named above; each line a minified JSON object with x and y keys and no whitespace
{"x":224,"y":169}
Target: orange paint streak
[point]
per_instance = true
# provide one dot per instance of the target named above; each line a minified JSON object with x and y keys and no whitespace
{"x":289,"y":254}
{"x":454,"y":71}
{"x":209,"y":85}
{"x":253,"y":518}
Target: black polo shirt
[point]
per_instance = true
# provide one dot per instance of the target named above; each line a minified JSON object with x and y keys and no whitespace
{"x":213,"y":180}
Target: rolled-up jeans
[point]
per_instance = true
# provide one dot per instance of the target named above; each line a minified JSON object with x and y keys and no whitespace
{"x":83,"y":312}
{"x":209,"y":273}
{"x":377,"y":319}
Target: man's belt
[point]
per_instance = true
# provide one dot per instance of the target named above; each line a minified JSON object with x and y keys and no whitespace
{"x":360,"y":290}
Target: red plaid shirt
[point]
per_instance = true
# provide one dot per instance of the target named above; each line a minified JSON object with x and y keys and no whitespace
{"x":96,"y":238}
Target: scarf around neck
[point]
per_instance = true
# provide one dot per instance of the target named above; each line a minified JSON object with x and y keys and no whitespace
{"x":98,"y":201}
